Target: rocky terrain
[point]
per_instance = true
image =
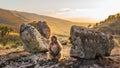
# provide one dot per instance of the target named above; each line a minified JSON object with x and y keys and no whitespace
{"x":23,"y":59}
{"x":75,"y":54}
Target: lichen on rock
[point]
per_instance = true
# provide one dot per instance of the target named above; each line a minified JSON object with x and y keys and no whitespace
{"x":33,"y":41}
{"x":89,"y":44}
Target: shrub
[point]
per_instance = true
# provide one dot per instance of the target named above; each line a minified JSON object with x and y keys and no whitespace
{"x":14,"y":46}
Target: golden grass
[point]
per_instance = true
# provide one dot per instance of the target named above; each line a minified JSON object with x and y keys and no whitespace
{"x":64,"y":29}
{"x":84,"y":24}
{"x":116,"y":42}
{"x":14,"y":33}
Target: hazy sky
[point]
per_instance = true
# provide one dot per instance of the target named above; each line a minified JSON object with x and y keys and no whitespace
{"x":67,"y":9}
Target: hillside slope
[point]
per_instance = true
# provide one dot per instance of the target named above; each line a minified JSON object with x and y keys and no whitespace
{"x":110,"y":25}
{"x":15,"y":18}
{"x":11,"y":19}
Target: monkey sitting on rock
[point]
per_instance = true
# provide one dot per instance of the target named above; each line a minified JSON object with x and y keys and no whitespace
{"x":54,"y":50}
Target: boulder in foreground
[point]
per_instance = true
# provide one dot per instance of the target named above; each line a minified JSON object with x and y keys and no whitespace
{"x":33,"y":41}
{"x":89,"y":44}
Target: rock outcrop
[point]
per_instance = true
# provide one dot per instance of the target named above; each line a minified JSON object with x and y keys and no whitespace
{"x":89,"y":44}
{"x":43,"y":28}
{"x":33,"y":41}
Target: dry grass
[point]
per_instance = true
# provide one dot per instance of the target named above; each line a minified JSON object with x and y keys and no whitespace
{"x":15,"y":19}
{"x":66,"y":51}
{"x":116,"y":51}
{"x":116,"y":42}
{"x":7,"y":51}
{"x":64,"y":28}
{"x":14,"y":33}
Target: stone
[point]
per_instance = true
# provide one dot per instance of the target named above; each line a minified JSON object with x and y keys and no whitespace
{"x":32,"y":40}
{"x":89,"y":44}
{"x":43,"y":28}
{"x":63,"y":42}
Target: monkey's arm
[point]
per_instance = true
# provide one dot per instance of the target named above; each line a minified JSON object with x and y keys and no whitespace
{"x":60,"y":46}
{"x":49,"y":47}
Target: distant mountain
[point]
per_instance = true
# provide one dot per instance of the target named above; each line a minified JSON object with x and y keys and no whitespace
{"x":82,"y":19}
{"x":15,"y":18}
{"x":110,"y":25}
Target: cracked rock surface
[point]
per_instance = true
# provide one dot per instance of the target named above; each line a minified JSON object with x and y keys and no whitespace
{"x":89,"y":44}
{"x":23,"y":59}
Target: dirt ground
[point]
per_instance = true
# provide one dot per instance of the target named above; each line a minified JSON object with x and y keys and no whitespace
{"x":18,"y":58}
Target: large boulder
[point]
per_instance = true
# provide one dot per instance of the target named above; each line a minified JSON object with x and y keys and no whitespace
{"x":43,"y":28}
{"x":33,"y":41}
{"x":89,"y":44}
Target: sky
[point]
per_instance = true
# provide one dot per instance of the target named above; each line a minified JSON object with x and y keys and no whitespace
{"x":74,"y":10}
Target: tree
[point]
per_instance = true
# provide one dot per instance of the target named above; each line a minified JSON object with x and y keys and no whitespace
{"x":89,"y":25}
{"x":96,"y":24}
{"x":4,"y":31}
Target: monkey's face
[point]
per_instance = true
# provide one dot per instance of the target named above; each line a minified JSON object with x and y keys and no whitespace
{"x":53,"y":38}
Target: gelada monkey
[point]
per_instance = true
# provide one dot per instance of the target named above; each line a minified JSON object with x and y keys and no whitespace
{"x":54,"y":49}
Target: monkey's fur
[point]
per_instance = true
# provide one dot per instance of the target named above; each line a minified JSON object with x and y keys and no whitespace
{"x":54,"y":49}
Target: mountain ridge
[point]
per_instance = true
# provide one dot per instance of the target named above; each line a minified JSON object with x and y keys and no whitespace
{"x":16,"y":18}
{"x":110,"y":25}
